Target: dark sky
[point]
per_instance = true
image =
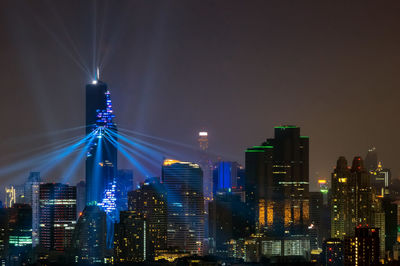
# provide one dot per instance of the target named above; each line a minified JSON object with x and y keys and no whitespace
{"x":235,"y":68}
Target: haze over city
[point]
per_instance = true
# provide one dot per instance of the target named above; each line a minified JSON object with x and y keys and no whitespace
{"x":235,"y":69}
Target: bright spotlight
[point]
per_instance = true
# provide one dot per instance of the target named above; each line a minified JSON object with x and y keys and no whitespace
{"x":94,"y":82}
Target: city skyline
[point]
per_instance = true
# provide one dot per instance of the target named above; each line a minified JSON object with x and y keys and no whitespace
{"x":329,"y":68}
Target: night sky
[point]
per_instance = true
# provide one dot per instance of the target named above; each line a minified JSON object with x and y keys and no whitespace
{"x":234,"y":68}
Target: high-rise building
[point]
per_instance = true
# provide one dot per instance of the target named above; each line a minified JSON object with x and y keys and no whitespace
{"x":20,"y":234}
{"x":124,"y":185}
{"x":80,"y":197}
{"x":316,"y":219}
{"x":89,"y":237}
{"x":261,"y":190}
{"x":226,"y":176}
{"x":57,"y":216}
{"x":101,"y":160}
{"x":353,"y":199}
{"x":184,"y":184}
{"x":381,"y":179}
{"x":4,"y":239}
{"x":390,"y":209}
{"x":227,"y":221}
{"x":340,"y":206}
{"x":149,"y":202}
{"x":371,"y":159}
{"x":32,"y":198}
{"x":277,"y":183}
{"x":363,"y":247}
{"x":131,"y":242}
{"x":332,"y":252}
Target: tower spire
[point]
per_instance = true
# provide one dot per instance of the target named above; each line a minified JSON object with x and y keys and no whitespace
{"x":98,"y":74}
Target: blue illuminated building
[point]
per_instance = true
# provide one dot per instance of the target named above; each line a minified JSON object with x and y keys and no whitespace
{"x":227,"y":175}
{"x":101,"y":160}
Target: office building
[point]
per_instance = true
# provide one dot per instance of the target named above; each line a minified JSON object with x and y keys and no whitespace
{"x":57,"y":216}
{"x":184,"y":184}
{"x":149,"y":202}
{"x":89,"y":237}
{"x":227,"y":222}
{"x":363,"y":248}
{"x":80,"y":197}
{"x":131,"y":242}
{"x":277,"y":187}
{"x":32,"y":198}
{"x":332,"y":252}
{"x":20,"y":234}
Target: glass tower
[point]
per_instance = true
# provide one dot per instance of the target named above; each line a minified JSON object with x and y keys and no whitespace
{"x":101,"y":160}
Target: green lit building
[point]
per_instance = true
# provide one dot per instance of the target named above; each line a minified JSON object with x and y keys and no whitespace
{"x":277,"y":186}
{"x":20,"y":234}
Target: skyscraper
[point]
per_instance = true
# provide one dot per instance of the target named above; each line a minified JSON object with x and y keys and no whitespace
{"x":32,"y":198}
{"x":277,"y":185}
{"x":227,"y":217}
{"x":225,"y":175}
{"x":184,"y":184}
{"x":80,"y":197}
{"x":363,"y":247}
{"x":89,"y":237}
{"x":149,"y":202}
{"x":131,"y":242}
{"x":353,"y":199}
{"x":20,"y":234}
{"x":371,"y":159}
{"x":260,"y":190}
{"x":101,"y":160}
{"x":57,"y":216}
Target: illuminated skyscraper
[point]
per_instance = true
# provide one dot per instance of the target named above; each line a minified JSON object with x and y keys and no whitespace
{"x":150,"y":203}
{"x":353,"y":199}
{"x":32,"y":198}
{"x":131,"y":241}
{"x":277,"y":182}
{"x":57,"y":216}
{"x":203,"y":140}
{"x":184,"y":184}
{"x":20,"y":234}
{"x":363,"y":248}
{"x":101,"y":160}
{"x":226,"y":176}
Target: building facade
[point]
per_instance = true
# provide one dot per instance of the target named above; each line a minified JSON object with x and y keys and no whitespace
{"x":149,"y":202}
{"x":57,"y":216}
{"x":184,"y":184}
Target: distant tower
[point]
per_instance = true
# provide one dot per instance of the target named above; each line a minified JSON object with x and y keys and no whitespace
{"x":203,"y":140}
{"x":371,"y":160}
{"x":101,"y":160}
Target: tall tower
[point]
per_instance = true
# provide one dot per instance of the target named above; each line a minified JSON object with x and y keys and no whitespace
{"x":277,"y":186}
{"x":203,"y":140}
{"x":101,"y":160}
